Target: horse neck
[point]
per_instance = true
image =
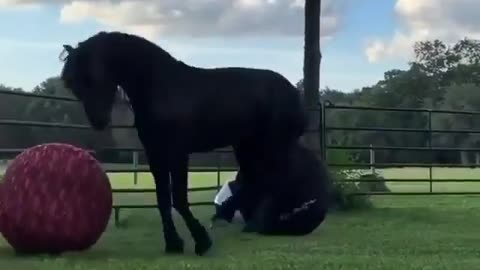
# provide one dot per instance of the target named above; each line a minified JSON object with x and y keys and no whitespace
{"x":142,"y":72}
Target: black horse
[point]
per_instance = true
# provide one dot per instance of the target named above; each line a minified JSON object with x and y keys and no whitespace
{"x":180,"y":109}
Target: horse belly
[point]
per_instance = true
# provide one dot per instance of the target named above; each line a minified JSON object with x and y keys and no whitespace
{"x":209,"y":138}
{"x":222,"y":130}
{"x":222,"y":124}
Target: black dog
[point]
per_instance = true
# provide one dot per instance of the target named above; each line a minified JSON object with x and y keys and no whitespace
{"x":296,"y":205}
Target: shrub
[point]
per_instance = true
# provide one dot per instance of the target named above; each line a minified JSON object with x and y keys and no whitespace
{"x":344,"y":189}
{"x":378,"y":185}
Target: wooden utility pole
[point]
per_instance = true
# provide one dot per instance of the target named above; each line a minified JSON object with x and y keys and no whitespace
{"x":311,"y":69}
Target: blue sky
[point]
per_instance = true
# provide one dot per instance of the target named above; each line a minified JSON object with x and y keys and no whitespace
{"x":31,"y":39}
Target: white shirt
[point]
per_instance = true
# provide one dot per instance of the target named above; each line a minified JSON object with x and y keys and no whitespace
{"x":223,"y":194}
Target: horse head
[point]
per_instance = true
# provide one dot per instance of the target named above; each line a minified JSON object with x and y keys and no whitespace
{"x":87,"y":74}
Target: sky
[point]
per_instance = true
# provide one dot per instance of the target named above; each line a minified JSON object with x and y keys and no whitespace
{"x":360,"y":39}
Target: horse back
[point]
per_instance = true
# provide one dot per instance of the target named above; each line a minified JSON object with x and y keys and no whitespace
{"x":250,"y":100}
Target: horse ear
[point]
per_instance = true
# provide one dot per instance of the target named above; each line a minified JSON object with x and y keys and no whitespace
{"x":68,"y":48}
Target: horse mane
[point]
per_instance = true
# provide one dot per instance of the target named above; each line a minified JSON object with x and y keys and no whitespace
{"x":112,"y":46}
{"x":116,"y":40}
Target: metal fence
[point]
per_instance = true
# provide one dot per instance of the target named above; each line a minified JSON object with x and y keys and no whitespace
{"x":135,"y":168}
{"x":323,"y":131}
{"x":326,"y":128}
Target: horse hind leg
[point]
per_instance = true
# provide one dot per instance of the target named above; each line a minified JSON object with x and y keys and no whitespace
{"x":252,"y":172}
{"x":179,"y":174}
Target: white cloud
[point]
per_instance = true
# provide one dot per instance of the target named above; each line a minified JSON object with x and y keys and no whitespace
{"x":19,"y":4}
{"x":448,"y":20}
{"x":152,"y":18}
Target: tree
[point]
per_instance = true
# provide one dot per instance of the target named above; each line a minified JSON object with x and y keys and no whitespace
{"x":461,"y":97}
{"x":439,"y":77}
{"x":457,"y":64}
{"x":11,"y":108}
{"x":311,"y":69}
{"x":64,"y":112}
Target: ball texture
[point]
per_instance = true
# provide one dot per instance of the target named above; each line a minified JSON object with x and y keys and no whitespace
{"x":54,"y":198}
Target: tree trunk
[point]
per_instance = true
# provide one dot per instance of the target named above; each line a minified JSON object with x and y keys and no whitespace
{"x":311,"y":70}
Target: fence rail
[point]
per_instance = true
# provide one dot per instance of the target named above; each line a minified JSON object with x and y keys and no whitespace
{"x":324,"y":129}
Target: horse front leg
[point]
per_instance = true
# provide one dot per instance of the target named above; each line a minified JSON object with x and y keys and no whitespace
{"x":159,"y":167}
{"x":180,"y":202}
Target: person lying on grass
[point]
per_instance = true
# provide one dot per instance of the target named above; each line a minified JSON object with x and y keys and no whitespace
{"x":297,"y":207}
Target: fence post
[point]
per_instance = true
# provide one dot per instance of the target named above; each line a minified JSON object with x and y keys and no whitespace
{"x":323,"y":133}
{"x":430,"y":171}
{"x":372,"y":160}
{"x":117,"y":216}
{"x":135,"y":167}
{"x":218,"y":170}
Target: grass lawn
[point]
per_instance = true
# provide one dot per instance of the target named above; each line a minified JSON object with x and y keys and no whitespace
{"x":402,"y":232}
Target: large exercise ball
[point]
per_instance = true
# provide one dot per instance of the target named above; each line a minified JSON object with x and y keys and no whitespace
{"x":54,"y":198}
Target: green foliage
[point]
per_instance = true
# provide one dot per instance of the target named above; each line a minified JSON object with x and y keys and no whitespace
{"x":441,"y":76}
{"x":344,"y":190}
{"x":447,"y":64}
{"x":373,"y":182}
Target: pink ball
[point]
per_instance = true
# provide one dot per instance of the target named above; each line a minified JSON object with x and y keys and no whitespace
{"x":54,"y":198}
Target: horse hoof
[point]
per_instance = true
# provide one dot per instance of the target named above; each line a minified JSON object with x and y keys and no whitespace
{"x":174,"y":247}
{"x":203,"y":246}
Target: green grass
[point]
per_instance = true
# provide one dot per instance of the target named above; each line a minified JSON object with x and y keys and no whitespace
{"x":438,"y":174}
{"x":145,"y":181}
{"x":402,"y":232}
